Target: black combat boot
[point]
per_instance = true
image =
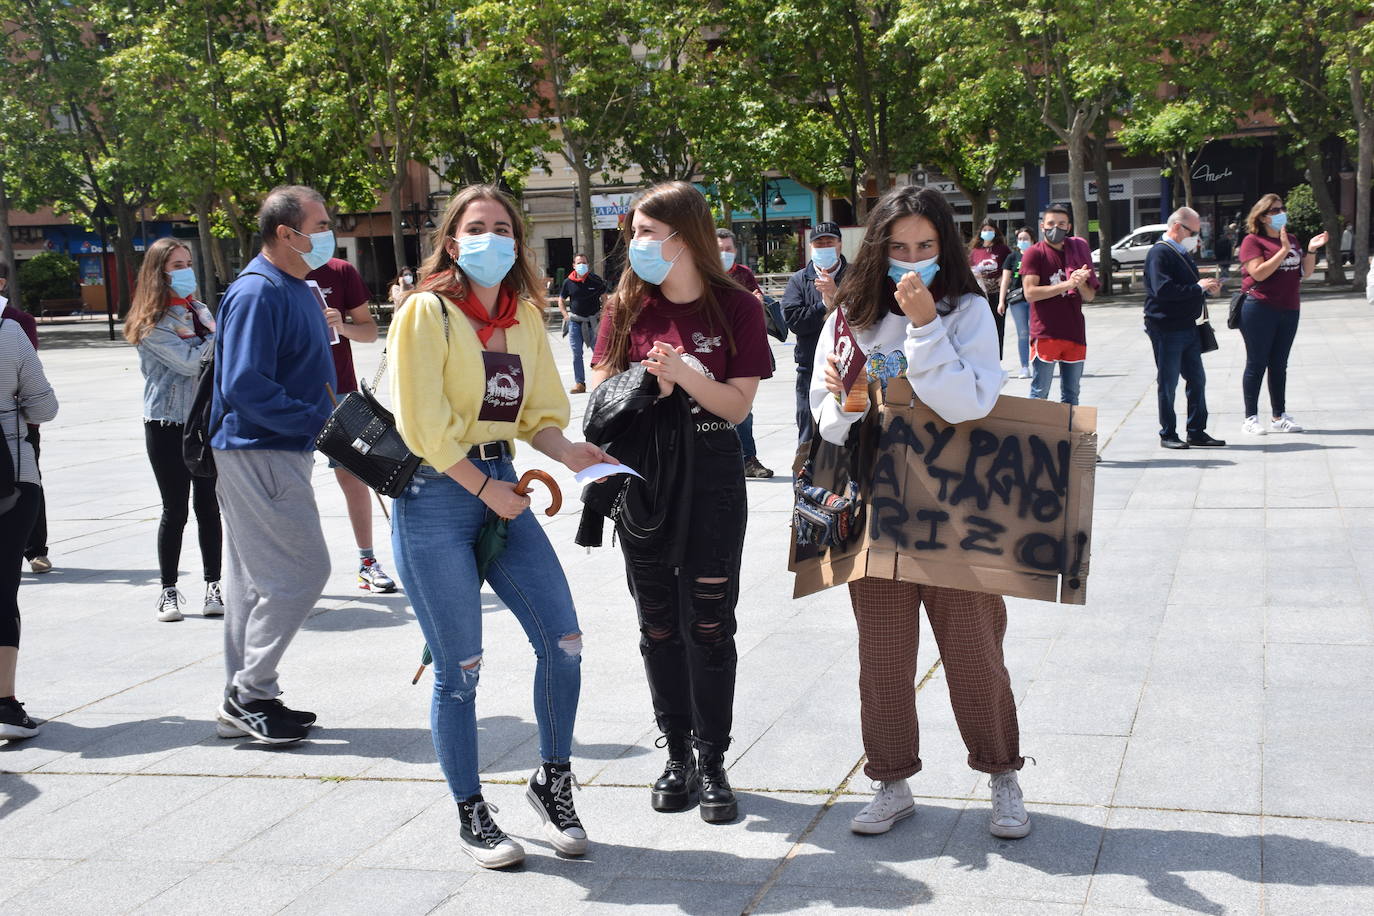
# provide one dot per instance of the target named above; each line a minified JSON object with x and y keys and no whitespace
{"x":678,"y":786}
{"x":718,"y":805}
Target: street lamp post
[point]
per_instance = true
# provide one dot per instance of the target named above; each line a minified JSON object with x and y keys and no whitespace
{"x":778,"y":201}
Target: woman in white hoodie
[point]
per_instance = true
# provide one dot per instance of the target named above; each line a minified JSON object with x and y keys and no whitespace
{"x":917,"y":311}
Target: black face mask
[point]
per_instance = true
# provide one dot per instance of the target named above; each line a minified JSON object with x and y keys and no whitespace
{"x":1055,"y":235}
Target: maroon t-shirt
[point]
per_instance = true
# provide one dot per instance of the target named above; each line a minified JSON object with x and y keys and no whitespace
{"x":986,"y":264}
{"x":24,"y":320}
{"x":1059,"y":317}
{"x":742,"y":275}
{"x":686,"y":326}
{"x":343,"y":289}
{"x":1280,"y":289}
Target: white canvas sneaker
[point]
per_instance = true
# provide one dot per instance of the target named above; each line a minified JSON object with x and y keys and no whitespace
{"x":1009,"y":818}
{"x":891,"y":802}
{"x":1285,"y":424}
{"x":169,"y":602}
{"x":1253,"y":427}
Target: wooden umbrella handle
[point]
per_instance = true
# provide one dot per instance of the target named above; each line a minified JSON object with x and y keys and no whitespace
{"x":556,"y":495}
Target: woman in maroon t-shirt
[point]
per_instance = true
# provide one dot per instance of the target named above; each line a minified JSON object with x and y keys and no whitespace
{"x":986,"y":257}
{"x":680,"y":316}
{"x":1272,"y":267}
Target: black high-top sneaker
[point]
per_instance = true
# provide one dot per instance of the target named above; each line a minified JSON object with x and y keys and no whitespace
{"x":718,"y":805}
{"x":550,"y":795}
{"x":678,"y":786}
{"x":482,"y":839}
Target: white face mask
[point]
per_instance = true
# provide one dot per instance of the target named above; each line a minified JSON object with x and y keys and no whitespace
{"x":1189,"y":244}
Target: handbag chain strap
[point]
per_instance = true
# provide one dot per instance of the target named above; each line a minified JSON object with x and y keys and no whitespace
{"x":381,"y":368}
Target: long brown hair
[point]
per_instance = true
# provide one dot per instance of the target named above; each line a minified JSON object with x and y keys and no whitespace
{"x":997,"y":237}
{"x":867,"y":294}
{"x":1254,"y":223}
{"x":154,"y":292}
{"x":682,"y":208}
{"x":440,"y":273}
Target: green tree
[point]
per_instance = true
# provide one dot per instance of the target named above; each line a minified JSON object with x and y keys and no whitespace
{"x":1177,"y":130}
{"x":47,"y":275}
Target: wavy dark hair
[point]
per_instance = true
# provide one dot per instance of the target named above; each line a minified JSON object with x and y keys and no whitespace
{"x":440,"y":273}
{"x":684,"y":209}
{"x":867,"y":293}
{"x":998,"y":237}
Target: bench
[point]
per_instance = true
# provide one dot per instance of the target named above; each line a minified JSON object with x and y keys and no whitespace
{"x":53,"y":308}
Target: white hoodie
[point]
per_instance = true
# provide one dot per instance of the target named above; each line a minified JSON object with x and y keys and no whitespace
{"x":951,"y":362}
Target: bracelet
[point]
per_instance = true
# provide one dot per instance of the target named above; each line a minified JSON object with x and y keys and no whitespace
{"x":485,"y":481}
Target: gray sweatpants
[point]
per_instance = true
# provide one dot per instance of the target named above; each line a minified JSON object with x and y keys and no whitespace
{"x":275,"y":561}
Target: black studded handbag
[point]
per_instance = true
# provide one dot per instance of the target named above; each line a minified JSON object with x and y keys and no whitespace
{"x":361,"y":436}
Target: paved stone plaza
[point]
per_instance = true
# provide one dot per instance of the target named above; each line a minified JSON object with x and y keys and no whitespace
{"x":1181,"y":721}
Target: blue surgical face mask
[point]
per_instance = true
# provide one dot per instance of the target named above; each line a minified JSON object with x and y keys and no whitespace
{"x":182,"y":281}
{"x":1278,"y":221}
{"x":825,"y":258}
{"x":1023,"y":244}
{"x":486,"y":259}
{"x":926,"y":269}
{"x":321,"y":248}
{"x":646,"y":259}
{"x":727,"y":259}
{"x":581,"y":269}
{"x":987,"y":235}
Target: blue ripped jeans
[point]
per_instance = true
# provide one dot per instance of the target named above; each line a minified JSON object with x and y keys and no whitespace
{"x":435,"y":524}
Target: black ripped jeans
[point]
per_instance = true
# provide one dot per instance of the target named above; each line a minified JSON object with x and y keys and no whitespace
{"x":687,"y":627}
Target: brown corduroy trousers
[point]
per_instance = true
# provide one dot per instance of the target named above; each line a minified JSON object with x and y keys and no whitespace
{"x":968,"y":628}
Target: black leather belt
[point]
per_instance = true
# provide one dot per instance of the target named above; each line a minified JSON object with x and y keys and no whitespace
{"x":489,"y":451}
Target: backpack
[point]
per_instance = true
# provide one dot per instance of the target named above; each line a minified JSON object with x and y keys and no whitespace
{"x":196,"y":435}
{"x":9,"y":473}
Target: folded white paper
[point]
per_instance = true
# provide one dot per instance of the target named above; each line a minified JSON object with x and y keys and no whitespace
{"x":597,"y":471}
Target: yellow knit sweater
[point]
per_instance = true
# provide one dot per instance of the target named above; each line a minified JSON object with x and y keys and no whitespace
{"x":437,"y":386}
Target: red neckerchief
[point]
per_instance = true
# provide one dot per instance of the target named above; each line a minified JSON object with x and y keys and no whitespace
{"x":506,"y":304}
{"x":577,"y":277}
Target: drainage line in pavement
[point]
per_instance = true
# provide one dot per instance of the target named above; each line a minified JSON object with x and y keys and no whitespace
{"x":839,"y":790}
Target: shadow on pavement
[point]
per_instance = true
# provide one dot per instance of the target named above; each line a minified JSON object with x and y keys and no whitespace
{"x":386,"y":610}
{"x":1166,"y":463}
{"x":1283,"y":446}
{"x":119,"y":576}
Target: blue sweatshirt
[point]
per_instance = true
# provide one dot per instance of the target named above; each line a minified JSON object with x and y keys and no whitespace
{"x":272,"y":362}
{"x":1173,"y":300}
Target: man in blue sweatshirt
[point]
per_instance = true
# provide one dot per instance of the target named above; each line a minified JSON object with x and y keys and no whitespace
{"x":272,"y":365}
{"x":1174,"y":296}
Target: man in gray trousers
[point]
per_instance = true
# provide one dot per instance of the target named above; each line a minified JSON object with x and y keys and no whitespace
{"x":272,"y":364}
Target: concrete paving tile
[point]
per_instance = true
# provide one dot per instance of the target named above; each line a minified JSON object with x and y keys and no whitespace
{"x":1180,"y":861}
{"x":1054,"y":864}
{"x":365,"y":891}
{"x":1068,"y":769}
{"x":651,"y":896}
{"x":1318,"y":717}
{"x":21,"y":874}
{"x":1192,"y":661}
{"x":1193,"y":711}
{"x":771,"y":762}
{"x":339,"y":824}
{"x":1098,"y":706}
{"x":1205,"y":774}
{"x":92,"y":820}
{"x":1287,"y":665}
{"x":216,"y":823}
{"x":1229,"y":623}
{"x":1326,"y":625}
{"x":956,"y":905}
{"x":1317,"y":866}
{"x":99,"y":887}
{"x":815,"y":901}
{"x":1074,"y":658}
{"x":231,"y":889}
{"x":1341,"y":792}
{"x":832,"y":856}
{"x":128,"y":746}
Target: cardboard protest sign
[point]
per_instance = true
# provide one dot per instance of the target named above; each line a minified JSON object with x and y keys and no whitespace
{"x":849,"y":356}
{"x":1000,"y":505}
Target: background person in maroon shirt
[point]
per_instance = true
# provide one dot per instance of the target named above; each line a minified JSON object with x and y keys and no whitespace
{"x":348,"y":314}
{"x":741,"y":274}
{"x":987,"y":256}
{"x":1273,"y":264}
{"x":1058,"y":278}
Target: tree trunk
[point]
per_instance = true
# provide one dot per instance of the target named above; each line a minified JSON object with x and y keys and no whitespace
{"x":7,"y":246}
{"x":398,"y":239}
{"x":1364,"y":120}
{"x":209,"y":284}
{"x":585,"y":217}
{"x":979,"y":202}
{"x":1078,"y":195}
{"x":124,"y":257}
{"x":1331,"y":220}
{"x":1104,"y":207}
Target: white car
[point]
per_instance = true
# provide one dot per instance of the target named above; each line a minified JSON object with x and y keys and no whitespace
{"x":1131,"y":251}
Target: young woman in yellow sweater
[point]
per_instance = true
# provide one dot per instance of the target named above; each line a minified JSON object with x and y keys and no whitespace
{"x":472,"y":371}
